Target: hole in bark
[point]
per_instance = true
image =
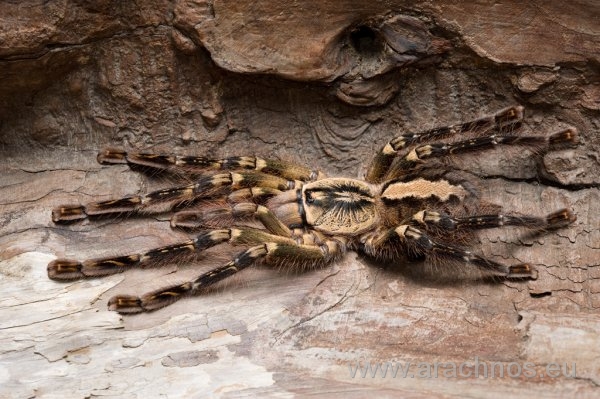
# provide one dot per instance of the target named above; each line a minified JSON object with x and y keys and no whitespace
{"x":366,"y":40}
{"x":540,"y":294}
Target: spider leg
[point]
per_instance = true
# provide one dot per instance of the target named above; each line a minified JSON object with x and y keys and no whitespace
{"x":381,"y":163}
{"x":199,"y":165}
{"x":195,"y":219}
{"x":67,"y":269}
{"x":417,"y":242}
{"x":270,"y":251}
{"x":554,"y":220}
{"x":422,"y":153}
{"x":165,"y":199}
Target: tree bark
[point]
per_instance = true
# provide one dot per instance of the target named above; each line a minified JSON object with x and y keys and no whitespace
{"x":322,"y":83}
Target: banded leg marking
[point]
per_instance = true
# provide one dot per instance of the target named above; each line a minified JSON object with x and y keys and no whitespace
{"x":270,"y":251}
{"x":418,"y":242}
{"x":424,"y":244}
{"x":383,"y":160}
{"x":165,"y":199}
{"x":258,"y":194}
{"x":156,"y":201}
{"x":554,"y":220}
{"x":422,"y":153}
{"x":68,"y":269}
{"x":427,"y":246}
{"x":191,"y":220}
{"x":193,"y":164}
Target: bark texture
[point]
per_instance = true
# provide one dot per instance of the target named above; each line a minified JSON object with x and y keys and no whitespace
{"x":325,"y":83}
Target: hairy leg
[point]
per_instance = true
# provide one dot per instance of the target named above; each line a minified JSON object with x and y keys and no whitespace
{"x":436,"y":220}
{"x":269,"y":251}
{"x":69,"y":269}
{"x":382,"y":161}
{"x":214,"y":186}
{"x":421,"y":154}
{"x":199,"y":165}
{"x":408,"y":239}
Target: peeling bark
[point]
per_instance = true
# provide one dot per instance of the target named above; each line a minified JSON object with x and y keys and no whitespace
{"x":321,"y":83}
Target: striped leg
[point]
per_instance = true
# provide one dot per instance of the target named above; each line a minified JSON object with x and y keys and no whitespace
{"x":443,"y":221}
{"x":199,"y":165}
{"x":202,"y":218}
{"x":383,"y":160}
{"x":417,"y":242}
{"x":270,"y":251}
{"x":164,"y":200}
{"x":67,"y":269}
{"x":421,"y":154}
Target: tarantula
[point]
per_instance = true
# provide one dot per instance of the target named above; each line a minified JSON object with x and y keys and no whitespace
{"x":412,"y":205}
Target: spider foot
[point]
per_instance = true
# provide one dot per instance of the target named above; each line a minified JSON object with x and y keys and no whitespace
{"x":69,"y":269}
{"x":151,"y":301}
{"x":560,"y":218}
{"x":523,"y":270}
{"x":125,"y":304}
{"x":567,"y":136}
{"x":111,"y":156}
{"x":68,"y":213}
{"x":65,"y":269}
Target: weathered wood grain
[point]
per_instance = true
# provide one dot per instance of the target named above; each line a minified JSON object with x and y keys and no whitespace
{"x":292,"y":80}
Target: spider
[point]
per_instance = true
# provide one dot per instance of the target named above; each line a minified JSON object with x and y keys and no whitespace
{"x":413,"y":205}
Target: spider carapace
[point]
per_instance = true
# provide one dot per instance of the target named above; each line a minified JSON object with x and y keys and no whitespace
{"x":413,"y":204}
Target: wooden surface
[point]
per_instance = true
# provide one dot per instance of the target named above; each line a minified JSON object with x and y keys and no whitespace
{"x":327,"y":84}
